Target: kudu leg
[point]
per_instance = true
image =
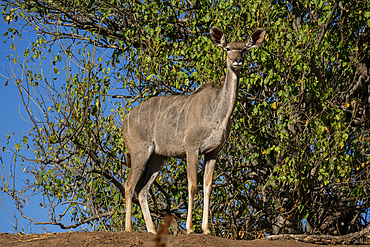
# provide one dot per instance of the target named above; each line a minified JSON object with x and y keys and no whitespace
{"x":192,"y":163}
{"x":151,"y":172}
{"x":210,"y":164}
{"x":138,"y":163}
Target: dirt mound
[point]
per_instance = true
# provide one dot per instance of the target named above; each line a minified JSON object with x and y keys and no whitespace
{"x":133,"y":239}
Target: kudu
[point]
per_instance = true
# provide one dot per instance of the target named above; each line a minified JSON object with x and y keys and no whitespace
{"x":183,"y":126}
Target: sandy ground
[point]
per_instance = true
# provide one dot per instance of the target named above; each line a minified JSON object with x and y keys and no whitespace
{"x":86,"y":239}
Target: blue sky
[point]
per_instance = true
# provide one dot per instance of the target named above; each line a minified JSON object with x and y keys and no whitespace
{"x":11,"y":121}
{"x":11,"y":109}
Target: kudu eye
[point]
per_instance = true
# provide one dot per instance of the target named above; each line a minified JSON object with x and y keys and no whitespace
{"x":227,"y":49}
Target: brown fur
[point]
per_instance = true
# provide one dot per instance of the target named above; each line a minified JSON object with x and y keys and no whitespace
{"x":211,"y":84}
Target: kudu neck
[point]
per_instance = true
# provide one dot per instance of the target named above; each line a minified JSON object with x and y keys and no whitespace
{"x":231,"y":84}
{"x":229,"y":92}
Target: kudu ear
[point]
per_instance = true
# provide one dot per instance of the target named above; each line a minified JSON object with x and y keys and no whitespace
{"x":256,"y":38}
{"x":217,"y":37}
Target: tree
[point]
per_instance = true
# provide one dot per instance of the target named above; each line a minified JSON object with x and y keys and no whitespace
{"x":297,"y":157}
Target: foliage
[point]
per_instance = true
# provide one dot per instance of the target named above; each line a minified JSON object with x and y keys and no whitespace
{"x":297,"y":157}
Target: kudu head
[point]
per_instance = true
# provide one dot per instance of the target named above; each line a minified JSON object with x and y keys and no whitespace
{"x":236,"y":50}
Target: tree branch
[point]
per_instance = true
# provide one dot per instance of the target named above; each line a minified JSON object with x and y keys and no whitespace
{"x":324,"y":28}
{"x":350,"y":238}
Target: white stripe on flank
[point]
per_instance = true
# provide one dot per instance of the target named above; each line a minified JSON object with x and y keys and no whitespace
{"x":178,"y":117}
{"x":187,"y":111}
{"x":156,"y":118}
{"x":169,"y":106}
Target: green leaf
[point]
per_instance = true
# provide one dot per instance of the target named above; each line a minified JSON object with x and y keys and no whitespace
{"x":25,"y":140}
{"x":53,"y":139}
{"x":17,"y":147}
{"x":56,"y":71}
{"x":150,"y":77}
